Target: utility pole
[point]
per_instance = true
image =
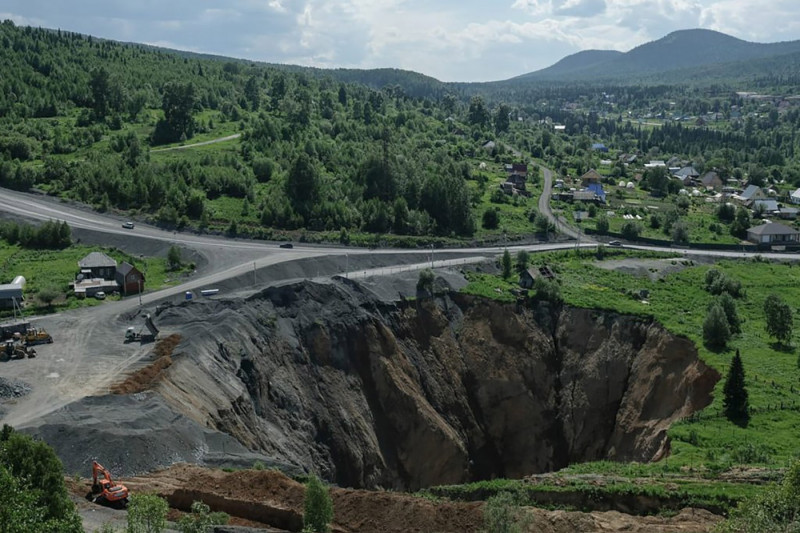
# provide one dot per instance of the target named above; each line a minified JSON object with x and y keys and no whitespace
{"x":255,"y":282}
{"x":347,"y":266}
{"x":431,"y":255}
{"x":140,"y":292}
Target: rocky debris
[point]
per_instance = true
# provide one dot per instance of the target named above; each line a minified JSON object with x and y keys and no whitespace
{"x":135,"y":434}
{"x":13,"y":388}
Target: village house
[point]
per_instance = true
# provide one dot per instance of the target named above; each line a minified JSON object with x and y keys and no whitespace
{"x":129,"y":279}
{"x":711,"y":180}
{"x":97,"y":265}
{"x":751,"y":194}
{"x":773,"y":234}
{"x":794,"y":197}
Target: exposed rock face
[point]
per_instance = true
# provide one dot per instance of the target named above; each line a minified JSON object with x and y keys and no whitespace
{"x":431,"y":391}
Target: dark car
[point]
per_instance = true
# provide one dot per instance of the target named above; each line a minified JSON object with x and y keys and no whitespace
{"x":615,"y":243}
{"x":127,"y":225}
{"x":287,"y":245}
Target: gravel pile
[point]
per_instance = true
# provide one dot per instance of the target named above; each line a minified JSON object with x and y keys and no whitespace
{"x":13,"y":388}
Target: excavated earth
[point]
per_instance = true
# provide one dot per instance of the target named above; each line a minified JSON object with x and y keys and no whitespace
{"x":268,"y":501}
{"x":370,"y":394}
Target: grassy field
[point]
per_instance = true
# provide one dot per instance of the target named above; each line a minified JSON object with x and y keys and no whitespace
{"x":707,"y":442}
{"x":56,"y":268}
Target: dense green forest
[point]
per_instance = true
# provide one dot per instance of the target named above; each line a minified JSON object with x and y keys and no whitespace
{"x":326,"y":151}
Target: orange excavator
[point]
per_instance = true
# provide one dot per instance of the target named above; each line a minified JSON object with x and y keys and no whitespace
{"x":104,"y":490}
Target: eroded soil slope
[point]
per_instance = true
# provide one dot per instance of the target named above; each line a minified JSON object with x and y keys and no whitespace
{"x":430,"y":391}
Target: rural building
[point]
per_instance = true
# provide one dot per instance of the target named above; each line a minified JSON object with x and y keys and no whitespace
{"x":600,"y":147}
{"x":9,"y":293}
{"x":794,"y":197}
{"x":768,"y":207}
{"x":687,"y":175}
{"x":751,"y":194}
{"x":788,"y":213}
{"x":129,"y":279}
{"x":591,"y":177}
{"x":711,"y":180}
{"x":527,"y":277}
{"x":774,"y":234}
{"x":520,"y":169}
{"x":97,"y":265}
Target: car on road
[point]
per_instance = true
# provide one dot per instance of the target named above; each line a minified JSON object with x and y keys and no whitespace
{"x":100,"y":295}
{"x":287,"y":245}
{"x":614,"y":243}
{"x":127,"y":225}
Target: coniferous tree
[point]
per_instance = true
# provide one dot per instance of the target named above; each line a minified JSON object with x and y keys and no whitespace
{"x":735,"y":404}
{"x":506,"y":264}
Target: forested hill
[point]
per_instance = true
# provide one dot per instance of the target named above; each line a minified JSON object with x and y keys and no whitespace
{"x":667,"y":58}
{"x":82,"y":118}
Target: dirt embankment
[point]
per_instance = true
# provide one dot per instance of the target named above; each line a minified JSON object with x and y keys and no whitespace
{"x":270,"y":499}
{"x":428,"y":392}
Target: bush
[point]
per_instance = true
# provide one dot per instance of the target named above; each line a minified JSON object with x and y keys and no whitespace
{"x":715,"y":327}
{"x":425,"y":280}
{"x":201,"y":519}
{"x":776,"y":508}
{"x":317,"y":508}
{"x":631,"y":230}
{"x":503,"y":514}
{"x":601,"y":225}
{"x":491,"y":218}
{"x":147,"y":513}
{"x":174,"y":259}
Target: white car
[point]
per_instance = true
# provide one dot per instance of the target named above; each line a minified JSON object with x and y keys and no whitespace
{"x":100,"y":295}
{"x":127,"y":225}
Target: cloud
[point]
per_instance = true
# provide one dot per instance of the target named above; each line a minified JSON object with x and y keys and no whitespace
{"x":754,"y":21}
{"x":453,"y":40}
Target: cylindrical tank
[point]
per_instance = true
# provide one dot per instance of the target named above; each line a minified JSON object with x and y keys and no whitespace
{"x":188,"y":295}
{"x":19,"y":280}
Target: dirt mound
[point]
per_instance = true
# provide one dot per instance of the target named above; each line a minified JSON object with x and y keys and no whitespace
{"x":144,"y":378}
{"x":271,"y":499}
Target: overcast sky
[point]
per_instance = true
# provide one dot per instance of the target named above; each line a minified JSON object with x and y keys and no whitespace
{"x":452,"y":40}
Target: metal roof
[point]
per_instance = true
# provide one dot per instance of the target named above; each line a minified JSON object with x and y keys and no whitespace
{"x":96,"y":260}
{"x":10,"y":290}
{"x":773,"y":228}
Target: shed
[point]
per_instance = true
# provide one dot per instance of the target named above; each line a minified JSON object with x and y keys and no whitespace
{"x":9,"y":293}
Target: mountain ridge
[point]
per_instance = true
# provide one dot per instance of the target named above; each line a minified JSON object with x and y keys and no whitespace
{"x":678,"y":50}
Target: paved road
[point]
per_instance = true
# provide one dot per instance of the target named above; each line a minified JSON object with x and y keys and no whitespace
{"x":204,"y":143}
{"x":89,"y":354}
{"x":544,"y":207}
